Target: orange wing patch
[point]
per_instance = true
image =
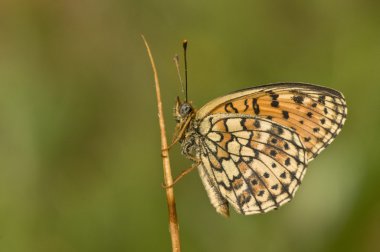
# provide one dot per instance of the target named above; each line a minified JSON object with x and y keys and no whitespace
{"x":317,"y":117}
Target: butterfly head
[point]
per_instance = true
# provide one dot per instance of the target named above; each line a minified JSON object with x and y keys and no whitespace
{"x":183,"y":110}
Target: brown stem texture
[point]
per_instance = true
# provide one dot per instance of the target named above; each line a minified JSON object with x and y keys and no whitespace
{"x":173,"y":220}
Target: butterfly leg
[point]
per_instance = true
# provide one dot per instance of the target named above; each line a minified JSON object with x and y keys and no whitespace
{"x":183,"y":173}
{"x":168,"y":148}
{"x":178,"y":135}
{"x":175,"y":140}
{"x":171,"y":145}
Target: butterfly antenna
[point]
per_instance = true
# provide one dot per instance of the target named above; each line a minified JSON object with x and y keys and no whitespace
{"x":184,"y":44}
{"x":176,"y":62}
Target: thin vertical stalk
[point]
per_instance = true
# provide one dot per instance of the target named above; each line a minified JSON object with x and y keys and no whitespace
{"x":173,"y":220}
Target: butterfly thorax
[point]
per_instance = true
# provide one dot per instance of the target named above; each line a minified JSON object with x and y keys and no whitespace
{"x":185,"y":130}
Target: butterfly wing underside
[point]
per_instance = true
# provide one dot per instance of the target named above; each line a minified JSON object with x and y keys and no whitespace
{"x":257,"y":142}
{"x":256,"y":164}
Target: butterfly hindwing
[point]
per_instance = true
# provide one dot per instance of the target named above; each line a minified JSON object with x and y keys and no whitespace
{"x":315,"y":113}
{"x":256,"y":164}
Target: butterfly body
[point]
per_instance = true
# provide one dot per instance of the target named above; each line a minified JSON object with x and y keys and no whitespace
{"x":252,"y":146}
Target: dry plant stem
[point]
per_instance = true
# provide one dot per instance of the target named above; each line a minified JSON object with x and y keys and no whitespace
{"x":173,"y":221}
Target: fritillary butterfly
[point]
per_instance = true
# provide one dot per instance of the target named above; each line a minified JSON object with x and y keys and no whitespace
{"x":252,"y":147}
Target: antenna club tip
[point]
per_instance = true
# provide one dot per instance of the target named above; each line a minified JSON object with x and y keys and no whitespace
{"x":184,"y":43}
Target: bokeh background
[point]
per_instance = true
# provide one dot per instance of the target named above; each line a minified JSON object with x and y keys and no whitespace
{"x":80,"y":148}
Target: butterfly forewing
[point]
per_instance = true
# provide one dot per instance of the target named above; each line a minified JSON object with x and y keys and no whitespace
{"x":257,"y":164}
{"x":316,"y":113}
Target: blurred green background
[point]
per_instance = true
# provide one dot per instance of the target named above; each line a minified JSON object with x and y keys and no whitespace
{"x":80,"y":148}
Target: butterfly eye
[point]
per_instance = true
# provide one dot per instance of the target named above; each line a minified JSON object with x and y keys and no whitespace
{"x":185,"y":109}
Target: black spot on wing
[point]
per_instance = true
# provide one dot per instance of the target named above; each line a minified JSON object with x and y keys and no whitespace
{"x":257,"y":124}
{"x":243,"y":199}
{"x":280,"y":130}
{"x":274,"y":96}
{"x":229,"y":108}
{"x":285,"y":114}
{"x":286,"y":146}
{"x":287,"y":161}
{"x":246,"y":105}
{"x":274,"y":104}
{"x":298,"y":99}
{"x":242,"y":123}
{"x":257,"y":153}
{"x":255,"y":106}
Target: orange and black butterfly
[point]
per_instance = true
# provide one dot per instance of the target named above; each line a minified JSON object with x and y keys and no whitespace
{"x":252,"y":147}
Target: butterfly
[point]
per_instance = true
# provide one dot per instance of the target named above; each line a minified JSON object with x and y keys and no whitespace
{"x":252,"y":147}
